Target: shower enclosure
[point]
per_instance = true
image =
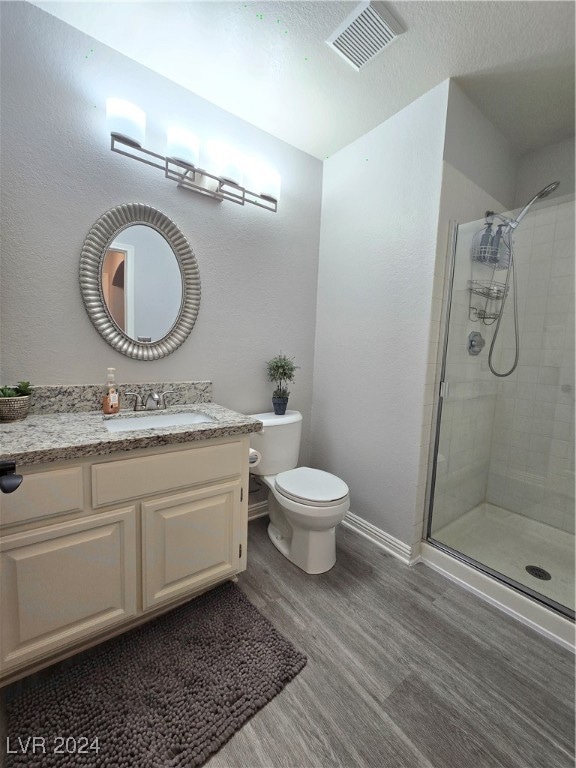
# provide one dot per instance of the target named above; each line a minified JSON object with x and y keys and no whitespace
{"x":502,"y":493}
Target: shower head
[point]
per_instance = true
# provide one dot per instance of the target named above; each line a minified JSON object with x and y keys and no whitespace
{"x":543,"y":193}
{"x":549,"y":189}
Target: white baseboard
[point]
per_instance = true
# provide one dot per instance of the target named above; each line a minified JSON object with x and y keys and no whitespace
{"x":543,"y":620}
{"x":404,"y":552}
{"x":407,"y":554}
{"x":259,"y":509}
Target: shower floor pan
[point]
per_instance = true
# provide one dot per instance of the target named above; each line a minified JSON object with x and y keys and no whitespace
{"x":508,"y":542}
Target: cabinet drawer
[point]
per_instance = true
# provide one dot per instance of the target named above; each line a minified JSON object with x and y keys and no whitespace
{"x":64,"y":582}
{"x":132,"y":478}
{"x":43,"y":494}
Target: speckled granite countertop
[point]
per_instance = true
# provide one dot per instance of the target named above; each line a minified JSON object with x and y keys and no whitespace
{"x":58,"y":436}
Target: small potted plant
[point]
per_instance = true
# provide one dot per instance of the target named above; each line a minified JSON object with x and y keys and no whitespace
{"x":15,"y":401}
{"x":280,"y":371}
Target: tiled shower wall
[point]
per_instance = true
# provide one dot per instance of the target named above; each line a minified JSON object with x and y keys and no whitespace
{"x":510,"y":440}
{"x":531,"y":467}
{"x":468,"y":407}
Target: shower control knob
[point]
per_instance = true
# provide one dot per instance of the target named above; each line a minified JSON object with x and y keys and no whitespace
{"x":475,"y":343}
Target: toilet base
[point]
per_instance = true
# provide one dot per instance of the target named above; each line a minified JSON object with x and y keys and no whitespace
{"x":312,"y":551}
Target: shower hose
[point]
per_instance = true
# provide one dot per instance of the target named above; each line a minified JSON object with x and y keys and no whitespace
{"x":511,"y":271}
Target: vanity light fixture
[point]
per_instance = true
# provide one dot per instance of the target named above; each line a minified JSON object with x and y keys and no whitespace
{"x":229,"y":169}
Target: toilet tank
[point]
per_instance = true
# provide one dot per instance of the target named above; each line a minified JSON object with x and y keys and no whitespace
{"x":278,"y":443}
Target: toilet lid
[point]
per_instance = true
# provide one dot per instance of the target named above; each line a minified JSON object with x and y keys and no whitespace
{"x":311,"y":486}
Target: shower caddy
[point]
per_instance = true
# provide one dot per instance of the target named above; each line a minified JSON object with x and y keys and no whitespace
{"x":489,"y":249}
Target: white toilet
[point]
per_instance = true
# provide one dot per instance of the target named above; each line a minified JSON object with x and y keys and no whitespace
{"x":305,"y":505}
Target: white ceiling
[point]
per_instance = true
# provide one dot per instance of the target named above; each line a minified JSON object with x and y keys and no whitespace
{"x":267,"y":62}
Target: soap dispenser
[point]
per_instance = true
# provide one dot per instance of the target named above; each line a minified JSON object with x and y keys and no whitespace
{"x":111,"y":400}
{"x":495,"y":254}
{"x":486,"y":240}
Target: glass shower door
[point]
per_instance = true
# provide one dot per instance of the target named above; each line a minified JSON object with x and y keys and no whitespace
{"x":503,"y":490}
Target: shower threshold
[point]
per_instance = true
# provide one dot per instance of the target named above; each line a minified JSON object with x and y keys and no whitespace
{"x":517,"y":548}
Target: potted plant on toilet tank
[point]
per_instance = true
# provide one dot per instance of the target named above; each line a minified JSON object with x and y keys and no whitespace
{"x":15,"y":401}
{"x":280,"y":371}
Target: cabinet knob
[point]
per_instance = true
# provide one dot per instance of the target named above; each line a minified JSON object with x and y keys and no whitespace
{"x":9,"y":480}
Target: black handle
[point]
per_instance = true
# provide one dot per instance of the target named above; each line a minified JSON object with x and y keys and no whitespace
{"x":9,"y":480}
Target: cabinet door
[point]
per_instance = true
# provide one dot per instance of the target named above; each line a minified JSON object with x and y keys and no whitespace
{"x":64,"y":582}
{"x":190,"y":540}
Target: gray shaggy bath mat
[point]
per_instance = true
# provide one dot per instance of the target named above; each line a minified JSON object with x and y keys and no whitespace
{"x":166,"y":695}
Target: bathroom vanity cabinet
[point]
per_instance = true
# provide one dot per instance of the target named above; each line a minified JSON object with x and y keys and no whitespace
{"x":93,"y":546}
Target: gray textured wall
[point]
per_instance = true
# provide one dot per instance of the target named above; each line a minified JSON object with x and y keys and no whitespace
{"x":475,"y":147}
{"x":539,"y":168}
{"x":377,"y":259}
{"x":258,"y":269}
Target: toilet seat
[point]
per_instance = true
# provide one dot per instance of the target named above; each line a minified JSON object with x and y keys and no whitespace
{"x":311,"y":487}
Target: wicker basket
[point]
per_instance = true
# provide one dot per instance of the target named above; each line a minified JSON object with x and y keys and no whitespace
{"x":14,"y":408}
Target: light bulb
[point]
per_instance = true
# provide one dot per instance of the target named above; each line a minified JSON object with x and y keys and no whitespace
{"x":224,"y":162}
{"x":126,"y":120}
{"x":182,"y":145}
{"x":262,"y":180}
{"x":270,"y":187}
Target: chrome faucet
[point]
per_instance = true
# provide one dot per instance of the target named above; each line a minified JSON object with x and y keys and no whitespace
{"x":154,"y":401}
{"x":162,"y":401}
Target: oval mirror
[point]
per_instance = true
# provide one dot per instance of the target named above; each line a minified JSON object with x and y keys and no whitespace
{"x":139,"y":281}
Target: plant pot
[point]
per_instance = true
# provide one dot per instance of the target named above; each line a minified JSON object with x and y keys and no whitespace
{"x":14,"y":408}
{"x":279,"y":404}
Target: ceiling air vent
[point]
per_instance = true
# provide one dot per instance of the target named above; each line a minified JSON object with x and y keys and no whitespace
{"x":364,"y":33}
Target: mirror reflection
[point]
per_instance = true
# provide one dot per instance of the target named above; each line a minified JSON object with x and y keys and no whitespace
{"x":142,"y":283}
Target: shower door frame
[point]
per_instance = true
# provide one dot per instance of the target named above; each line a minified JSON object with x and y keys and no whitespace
{"x":441,"y":393}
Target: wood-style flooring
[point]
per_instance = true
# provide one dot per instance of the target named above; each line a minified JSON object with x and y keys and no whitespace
{"x":405,"y":670}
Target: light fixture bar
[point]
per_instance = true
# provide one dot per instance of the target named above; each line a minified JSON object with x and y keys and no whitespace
{"x":188,"y":177}
{"x":116,"y":139}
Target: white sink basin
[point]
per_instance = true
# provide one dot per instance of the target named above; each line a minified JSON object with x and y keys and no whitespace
{"x":154,"y":421}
